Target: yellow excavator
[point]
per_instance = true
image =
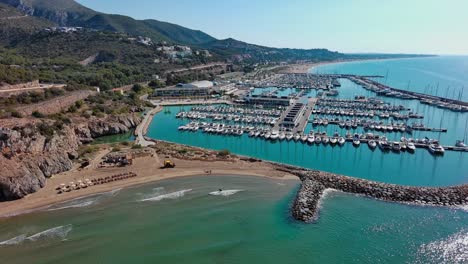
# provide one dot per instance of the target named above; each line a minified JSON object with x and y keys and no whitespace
{"x":168,"y":164}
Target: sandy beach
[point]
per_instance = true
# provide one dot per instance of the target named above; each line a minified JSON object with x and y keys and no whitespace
{"x":305,"y":67}
{"x":148,"y":170}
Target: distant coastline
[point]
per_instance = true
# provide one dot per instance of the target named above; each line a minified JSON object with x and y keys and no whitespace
{"x":307,"y":67}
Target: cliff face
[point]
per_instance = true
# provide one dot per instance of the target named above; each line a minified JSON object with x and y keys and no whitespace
{"x":28,"y":157}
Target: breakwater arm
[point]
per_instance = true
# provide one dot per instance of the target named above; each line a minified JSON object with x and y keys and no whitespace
{"x":314,"y":183}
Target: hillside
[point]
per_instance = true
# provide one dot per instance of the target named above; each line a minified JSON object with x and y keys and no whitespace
{"x":178,"y":33}
{"x":71,"y":13}
{"x":62,"y":12}
{"x":245,"y":51}
{"x":14,"y":24}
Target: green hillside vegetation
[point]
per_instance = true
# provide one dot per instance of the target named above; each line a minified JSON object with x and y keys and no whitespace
{"x":54,"y":57}
{"x":8,"y":11}
{"x":15,"y":25}
{"x":16,"y":75}
{"x":71,"y":13}
{"x":61,"y":12}
{"x":179,"y":34}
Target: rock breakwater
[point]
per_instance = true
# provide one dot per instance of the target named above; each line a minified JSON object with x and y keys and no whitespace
{"x":314,"y":183}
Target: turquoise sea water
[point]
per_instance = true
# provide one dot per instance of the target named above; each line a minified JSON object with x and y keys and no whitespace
{"x":444,"y":76}
{"x":177,"y":221}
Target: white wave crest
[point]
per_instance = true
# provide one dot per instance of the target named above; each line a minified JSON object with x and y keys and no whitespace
{"x":454,"y":250}
{"x":463,"y":207}
{"x":75,"y":204}
{"x":173,"y":195}
{"x":225,"y":192}
{"x":14,"y":241}
{"x":83,"y":202}
{"x":59,"y":232}
{"x":111,"y":193}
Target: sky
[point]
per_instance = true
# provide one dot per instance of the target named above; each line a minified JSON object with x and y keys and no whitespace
{"x":351,"y":26}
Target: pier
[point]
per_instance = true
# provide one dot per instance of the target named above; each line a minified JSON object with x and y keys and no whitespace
{"x":296,"y":116}
{"x":385,"y":90}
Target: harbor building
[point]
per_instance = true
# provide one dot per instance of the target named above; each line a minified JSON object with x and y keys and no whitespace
{"x":194,"y":89}
{"x":293,"y":115}
{"x":268,"y":101}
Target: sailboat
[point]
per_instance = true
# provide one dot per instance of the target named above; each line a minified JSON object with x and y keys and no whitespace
{"x":461,"y":143}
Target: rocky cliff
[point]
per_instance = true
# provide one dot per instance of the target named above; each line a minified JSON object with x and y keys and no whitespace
{"x":28,"y":157}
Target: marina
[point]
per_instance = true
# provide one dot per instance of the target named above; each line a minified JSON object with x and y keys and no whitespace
{"x":380,"y":138}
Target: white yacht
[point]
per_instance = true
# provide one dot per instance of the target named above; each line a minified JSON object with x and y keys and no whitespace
{"x":281,"y":136}
{"x":410,"y":146}
{"x":341,"y":141}
{"x":372,"y":144}
{"x":274,"y":135}
{"x":356,"y":140}
{"x":436,"y":149}
{"x":297,"y":137}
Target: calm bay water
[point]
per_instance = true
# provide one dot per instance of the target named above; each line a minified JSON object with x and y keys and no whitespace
{"x":176,"y":221}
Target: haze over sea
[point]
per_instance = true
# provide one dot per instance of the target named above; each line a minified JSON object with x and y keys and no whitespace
{"x":178,"y":221}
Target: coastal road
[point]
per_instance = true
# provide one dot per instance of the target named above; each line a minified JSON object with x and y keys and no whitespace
{"x":41,"y":87}
{"x":143,"y":127}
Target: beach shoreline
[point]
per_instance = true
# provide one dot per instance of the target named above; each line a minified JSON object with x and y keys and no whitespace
{"x":148,"y":172}
{"x":307,"y":67}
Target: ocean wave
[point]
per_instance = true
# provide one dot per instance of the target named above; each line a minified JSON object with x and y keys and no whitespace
{"x":59,"y":232}
{"x":453,"y":249}
{"x":463,"y":207}
{"x":83,"y":201}
{"x":326,"y":193}
{"x":75,"y":204}
{"x":173,"y":195}
{"x":225,"y":192}
{"x":111,"y":193}
{"x":13,"y":241}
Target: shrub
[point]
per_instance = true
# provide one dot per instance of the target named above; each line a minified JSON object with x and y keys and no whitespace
{"x":16,"y":114}
{"x":224,"y":153}
{"x":182,"y":151}
{"x":116,"y":149}
{"x":38,"y":114}
{"x":87,"y":149}
{"x":136,"y":146}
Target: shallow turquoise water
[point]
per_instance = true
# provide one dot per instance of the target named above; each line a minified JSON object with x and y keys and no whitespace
{"x":125,"y":137}
{"x":420,"y":168}
{"x":247,"y":227}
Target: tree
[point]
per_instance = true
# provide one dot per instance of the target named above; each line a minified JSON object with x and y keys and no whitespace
{"x":137,"y":88}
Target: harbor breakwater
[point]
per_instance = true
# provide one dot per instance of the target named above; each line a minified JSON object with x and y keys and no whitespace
{"x":314,"y":184}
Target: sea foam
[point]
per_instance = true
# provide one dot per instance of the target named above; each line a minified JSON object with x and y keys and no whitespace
{"x":173,"y":195}
{"x":225,"y":192}
{"x":453,"y":249}
{"x":75,"y":204}
{"x":83,"y":201}
{"x":59,"y":232}
{"x":13,"y":241}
